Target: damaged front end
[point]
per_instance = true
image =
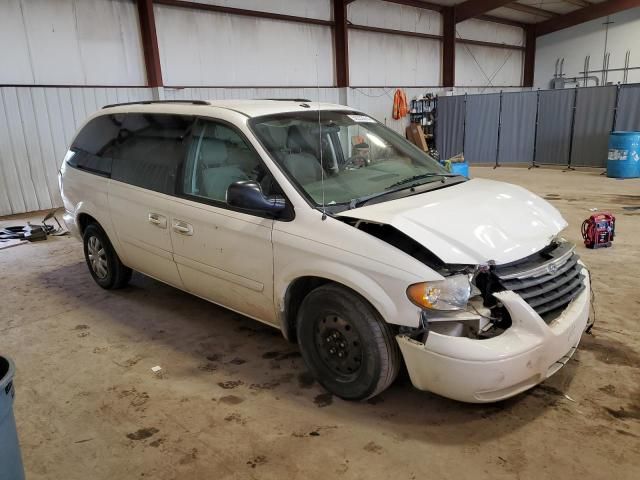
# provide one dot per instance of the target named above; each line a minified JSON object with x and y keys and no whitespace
{"x":488,"y":332}
{"x":466,"y":305}
{"x":521,"y":326}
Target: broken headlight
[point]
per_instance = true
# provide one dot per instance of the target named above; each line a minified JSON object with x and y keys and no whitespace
{"x":450,"y":294}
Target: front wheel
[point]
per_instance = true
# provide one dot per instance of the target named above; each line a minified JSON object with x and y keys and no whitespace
{"x":104,"y":264}
{"x":345,"y":344}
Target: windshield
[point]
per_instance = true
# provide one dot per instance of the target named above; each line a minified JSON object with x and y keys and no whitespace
{"x":343,"y":157}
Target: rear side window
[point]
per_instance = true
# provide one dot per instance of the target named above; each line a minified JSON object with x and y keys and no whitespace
{"x":149,"y":150}
{"x":92,"y":150}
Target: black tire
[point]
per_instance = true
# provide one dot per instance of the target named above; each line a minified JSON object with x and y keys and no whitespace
{"x":333,"y":317}
{"x":104,"y":264}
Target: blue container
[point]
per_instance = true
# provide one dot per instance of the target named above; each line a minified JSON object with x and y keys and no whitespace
{"x":10,"y":458}
{"x":460,"y":169}
{"x":624,"y":155}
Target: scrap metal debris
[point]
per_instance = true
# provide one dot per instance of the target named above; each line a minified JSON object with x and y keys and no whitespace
{"x":32,"y":233}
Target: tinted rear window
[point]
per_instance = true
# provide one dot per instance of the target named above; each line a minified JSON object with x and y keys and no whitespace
{"x":149,"y":150}
{"x":93,"y":147}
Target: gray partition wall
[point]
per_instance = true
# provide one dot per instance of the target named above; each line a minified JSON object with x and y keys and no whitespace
{"x":450,"y":126}
{"x":555,"y":114}
{"x":481,"y":128}
{"x":595,"y":107}
{"x":517,"y":130}
{"x":628,"y":115}
{"x":545,"y":127}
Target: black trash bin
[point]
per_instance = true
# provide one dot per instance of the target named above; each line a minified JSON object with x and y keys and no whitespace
{"x":10,"y":460}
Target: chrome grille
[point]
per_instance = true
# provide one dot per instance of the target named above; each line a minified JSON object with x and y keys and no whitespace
{"x":547,"y":280}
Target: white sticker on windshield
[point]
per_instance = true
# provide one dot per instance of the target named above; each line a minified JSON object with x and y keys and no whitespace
{"x":361,"y":119}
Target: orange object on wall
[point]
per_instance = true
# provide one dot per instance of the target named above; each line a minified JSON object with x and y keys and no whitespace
{"x":400,"y":107}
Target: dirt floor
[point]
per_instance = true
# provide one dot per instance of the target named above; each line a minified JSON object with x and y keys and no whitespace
{"x":233,"y":399}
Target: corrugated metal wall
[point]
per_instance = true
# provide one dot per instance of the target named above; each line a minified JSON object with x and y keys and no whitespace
{"x":331,"y":95}
{"x":36,"y":125}
{"x":70,"y":42}
{"x":204,"y":48}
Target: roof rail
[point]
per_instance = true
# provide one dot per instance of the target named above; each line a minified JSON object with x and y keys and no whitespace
{"x":151,"y":102}
{"x":287,"y":99}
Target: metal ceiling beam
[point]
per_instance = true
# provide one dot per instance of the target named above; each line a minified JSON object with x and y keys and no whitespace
{"x":438,"y":8}
{"x":474,"y":8}
{"x":519,"y":7}
{"x":430,"y":36}
{"x":390,"y":31}
{"x":418,"y":4}
{"x":596,"y":10}
{"x":579,"y":3}
{"x":502,"y":21}
{"x":242,"y":12}
{"x":480,"y":43}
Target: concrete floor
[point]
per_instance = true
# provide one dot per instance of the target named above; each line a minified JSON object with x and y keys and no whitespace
{"x":233,"y":399}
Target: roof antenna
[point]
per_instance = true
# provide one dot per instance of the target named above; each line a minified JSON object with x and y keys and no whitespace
{"x":324,"y":210}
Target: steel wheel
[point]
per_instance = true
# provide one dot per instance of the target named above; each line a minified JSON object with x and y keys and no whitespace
{"x":97,"y":257}
{"x":339,"y":346}
{"x":345,"y":344}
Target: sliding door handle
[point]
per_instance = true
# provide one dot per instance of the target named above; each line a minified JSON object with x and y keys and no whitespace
{"x":182,"y":228}
{"x":158,"y":220}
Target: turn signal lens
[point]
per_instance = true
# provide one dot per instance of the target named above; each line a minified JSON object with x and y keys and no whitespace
{"x":423,"y":295}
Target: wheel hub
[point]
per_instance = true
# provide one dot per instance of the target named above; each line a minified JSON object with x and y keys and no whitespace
{"x":97,"y":257}
{"x":339,"y":345}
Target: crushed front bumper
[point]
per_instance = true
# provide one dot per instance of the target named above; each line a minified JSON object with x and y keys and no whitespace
{"x":481,"y":371}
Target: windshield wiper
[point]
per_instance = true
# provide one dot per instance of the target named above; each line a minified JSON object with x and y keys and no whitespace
{"x":358,"y":202}
{"x":404,"y":181}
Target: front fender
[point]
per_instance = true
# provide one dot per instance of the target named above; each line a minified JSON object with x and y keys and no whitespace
{"x":342,"y":274}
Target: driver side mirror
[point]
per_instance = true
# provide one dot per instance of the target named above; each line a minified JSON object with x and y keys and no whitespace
{"x":247,"y":194}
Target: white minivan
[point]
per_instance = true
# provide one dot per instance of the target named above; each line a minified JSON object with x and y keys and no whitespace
{"x":324,"y":223}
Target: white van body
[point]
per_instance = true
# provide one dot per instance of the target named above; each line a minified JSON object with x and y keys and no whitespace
{"x":258,"y":265}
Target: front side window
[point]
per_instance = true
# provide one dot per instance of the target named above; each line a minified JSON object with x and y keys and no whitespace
{"x":339,"y":158}
{"x":149,"y":149}
{"x":218,"y":156}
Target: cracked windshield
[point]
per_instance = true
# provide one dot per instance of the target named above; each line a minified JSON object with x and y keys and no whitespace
{"x":350,"y":157}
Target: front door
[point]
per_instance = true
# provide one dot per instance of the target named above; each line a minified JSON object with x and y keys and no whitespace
{"x":222,"y":254}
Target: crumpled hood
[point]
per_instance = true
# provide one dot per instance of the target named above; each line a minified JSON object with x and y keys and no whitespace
{"x":472,"y":222}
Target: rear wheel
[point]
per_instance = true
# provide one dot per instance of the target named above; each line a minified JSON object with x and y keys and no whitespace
{"x":349,"y":349}
{"x":104,"y":264}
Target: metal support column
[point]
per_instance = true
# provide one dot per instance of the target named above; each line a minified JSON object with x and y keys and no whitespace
{"x":535,"y":133}
{"x":573,"y":123}
{"x":499,"y":128}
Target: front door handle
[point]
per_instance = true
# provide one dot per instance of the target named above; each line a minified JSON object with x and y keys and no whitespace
{"x":182,"y":228}
{"x":158,"y":220}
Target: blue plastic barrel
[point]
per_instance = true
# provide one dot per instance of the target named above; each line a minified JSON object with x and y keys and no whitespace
{"x":460,"y":169}
{"x":10,"y":458}
{"x":624,"y":155}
